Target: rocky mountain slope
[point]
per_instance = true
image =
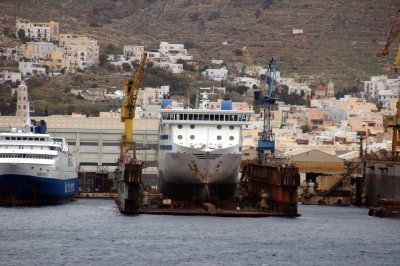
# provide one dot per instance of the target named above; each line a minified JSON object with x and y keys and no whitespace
{"x":340,"y":37}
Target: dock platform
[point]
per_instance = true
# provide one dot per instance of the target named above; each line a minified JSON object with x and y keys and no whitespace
{"x":208,"y":209}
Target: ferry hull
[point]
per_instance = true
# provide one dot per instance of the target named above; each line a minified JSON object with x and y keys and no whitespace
{"x":33,"y":190}
{"x":200,"y":175}
{"x":198,"y":191}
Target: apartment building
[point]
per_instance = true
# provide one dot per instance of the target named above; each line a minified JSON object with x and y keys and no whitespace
{"x":6,"y":76}
{"x":34,"y":50}
{"x":39,"y":31}
{"x":80,"y":51}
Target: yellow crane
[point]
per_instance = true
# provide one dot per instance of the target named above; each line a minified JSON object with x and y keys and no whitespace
{"x":129,"y":170}
{"x":394,"y":32}
{"x":131,"y":91}
{"x":393,"y":121}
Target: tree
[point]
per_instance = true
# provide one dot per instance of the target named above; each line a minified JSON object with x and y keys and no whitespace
{"x":102,"y":59}
{"x":21,"y":35}
{"x":126,"y":67}
{"x":305,"y":129}
{"x":379,"y":106}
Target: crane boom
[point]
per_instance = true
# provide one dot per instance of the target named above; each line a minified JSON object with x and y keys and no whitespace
{"x":394,"y":32}
{"x":131,"y":91}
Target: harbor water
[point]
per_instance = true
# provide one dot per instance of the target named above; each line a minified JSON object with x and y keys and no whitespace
{"x":93,"y":232}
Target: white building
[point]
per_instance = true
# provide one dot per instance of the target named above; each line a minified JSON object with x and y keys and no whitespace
{"x":31,"y":68}
{"x":297,"y":31}
{"x":133,"y":52}
{"x":384,"y":96}
{"x":39,"y":31}
{"x":372,"y":87}
{"x":6,"y":76}
{"x":155,"y":57}
{"x":150,"y":95}
{"x":216,"y":74}
{"x":13,"y":53}
{"x":167,"y":49}
{"x":246,"y":81}
{"x":300,"y":89}
{"x":174,"y":68}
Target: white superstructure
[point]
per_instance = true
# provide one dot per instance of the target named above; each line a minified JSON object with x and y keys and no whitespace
{"x":202,"y":147}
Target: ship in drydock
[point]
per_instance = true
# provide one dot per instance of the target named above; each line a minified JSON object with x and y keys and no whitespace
{"x":200,"y":150}
{"x":35,"y":168}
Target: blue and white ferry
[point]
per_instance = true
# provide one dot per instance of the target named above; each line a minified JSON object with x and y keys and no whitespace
{"x":35,"y":168}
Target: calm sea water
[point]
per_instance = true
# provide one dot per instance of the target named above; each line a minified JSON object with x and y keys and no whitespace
{"x":93,"y":232}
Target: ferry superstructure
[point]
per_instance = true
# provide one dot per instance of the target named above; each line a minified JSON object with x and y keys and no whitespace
{"x":200,"y":150}
{"x":35,"y":168}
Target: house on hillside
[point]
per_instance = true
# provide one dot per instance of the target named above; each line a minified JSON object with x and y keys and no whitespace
{"x":39,"y":31}
{"x":216,"y":74}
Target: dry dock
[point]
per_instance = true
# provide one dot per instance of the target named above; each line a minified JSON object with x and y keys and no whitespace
{"x":207,"y":209}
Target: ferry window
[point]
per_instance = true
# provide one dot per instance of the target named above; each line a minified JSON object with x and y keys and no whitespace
{"x":180,"y":116}
{"x":227,"y":118}
{"x":24,"y":138}
{"x":200,"y":116}
{"x":179,"y":136}
{"x":18,"y":138}
{"x":175,"y":116}
{"x":216,"y":117}
{"x":30,"y":138}
{"x":191,"y":136}
{"x":35,"y":138}
{"x":192,"y":126}
{"x":231,"y":127}
{"x":235,"y":117}
{"x":7,"y":138}
{"x":190,"y":116}
{"x":164,"y":116}
{"x":219,"y":127}
{"x":231,"y":138}
{"x":196,"y":117}
{"x":180,"y":126}
{"x":185,"y":116}
{"x":12,"y":138}
{"x":219,"y":138}
{"x":206,"y":117}
{"x":212,"y":118}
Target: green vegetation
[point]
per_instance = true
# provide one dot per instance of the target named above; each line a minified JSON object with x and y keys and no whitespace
{"x":292,"y":98}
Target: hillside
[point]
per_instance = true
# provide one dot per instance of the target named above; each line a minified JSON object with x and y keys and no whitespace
{"x":339,"y":42}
